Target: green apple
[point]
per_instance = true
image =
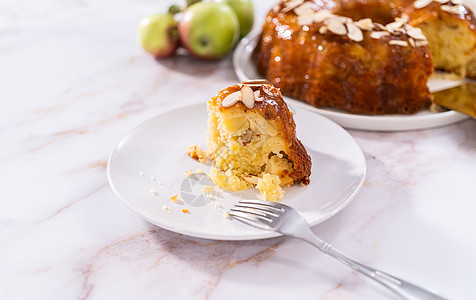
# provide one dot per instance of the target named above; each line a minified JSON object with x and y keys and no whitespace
{"x":158,"y":35}
{"x":245,"y":12}
{"x":209,"y":30}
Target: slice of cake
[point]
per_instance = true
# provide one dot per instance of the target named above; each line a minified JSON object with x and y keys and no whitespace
{"x":252,"y":141}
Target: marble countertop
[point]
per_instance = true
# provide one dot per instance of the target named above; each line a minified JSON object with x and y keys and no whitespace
{"x":73,"y":80}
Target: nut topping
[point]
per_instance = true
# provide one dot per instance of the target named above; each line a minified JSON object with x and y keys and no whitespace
{"x":321,"y":15}
{"x":305,"y":20}
{"x":365,"y":24}
{"x":379,"y":34}
{"x":304,"y":9}
{"x":336,"y":26}
{"x":415,"y":32}
{"x":230,"y":99}
{"x":258,"y":96}
{"x":354,"y":32}
{"x":344,"y":26}
{"x":421,"y":43}
{"x":398,"y":43}
{"x":323,"y":29}
{"x":290,"y":5}
{"x":255,"y":82}
{"x":453,"y":9}
{"x":421,"y":3}
{"x":248,"y":97}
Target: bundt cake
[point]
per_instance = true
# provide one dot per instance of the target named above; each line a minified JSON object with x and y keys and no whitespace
{"x":364,"y":56}
{"x":252,"y":141}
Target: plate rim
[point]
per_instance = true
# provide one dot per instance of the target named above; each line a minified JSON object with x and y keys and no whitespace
{"x":265,"y":234}
{"x":353,"y":121}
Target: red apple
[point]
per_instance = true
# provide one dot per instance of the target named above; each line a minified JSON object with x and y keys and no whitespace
{"x":209,"y":30}
{"x":158,"y":35}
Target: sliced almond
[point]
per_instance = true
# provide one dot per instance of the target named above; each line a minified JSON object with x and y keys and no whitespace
{"x":452,"y":9}
{"x":336,"y":26}
{"x":415,"y":32}
{"x":457,"y":2}
{"x":394,"y":26}
{"x":354,"y":33}
{"x":398,"y":43}
{"x":305,"y":20}
{"x":255,"y":81}
{"x":403,"y":18}
{"x":380,"y":26}
{"x":442,"y":1}
{"x":365,"y":24}
{"x":304,"y":9}
{"x":379,"y":34}
{"x":323,"y":30}
{"x":248,"y":98}
{"x":251,"y":179}
{"x":343,"y":19}
{"x":230,"y":99}
{"x":421,"y":3}
{"x":321,"y":15}
{"x":290,"y":5}
{"x":258,"y":96}
{"x":412,"y":42}
{"x":421,"y":43}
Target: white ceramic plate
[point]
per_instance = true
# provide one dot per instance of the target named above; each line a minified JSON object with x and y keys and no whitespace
{"x":245,"y":70}
{"x":147,"y":167}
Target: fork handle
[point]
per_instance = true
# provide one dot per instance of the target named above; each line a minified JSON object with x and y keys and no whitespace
{"x":403,"y":288}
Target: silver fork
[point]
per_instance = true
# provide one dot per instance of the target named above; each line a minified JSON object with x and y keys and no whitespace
{"x":288,"y":221}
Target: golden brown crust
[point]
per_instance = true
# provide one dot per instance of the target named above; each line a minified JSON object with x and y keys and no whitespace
{"x":328,"y":70}
{"x":274,"y":108}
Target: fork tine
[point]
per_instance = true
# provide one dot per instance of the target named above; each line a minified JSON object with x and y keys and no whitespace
{"x":265,"y":204}
{"x":249,"y":219}
{"x":257,"y":208}
{"x":257,"y":213}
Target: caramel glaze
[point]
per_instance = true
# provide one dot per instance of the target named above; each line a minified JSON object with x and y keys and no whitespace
{"x":329,"y":70}
{"x":274,"y":108}
{"x":433,"y":10}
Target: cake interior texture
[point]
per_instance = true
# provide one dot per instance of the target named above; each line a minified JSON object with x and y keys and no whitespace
{"x":452,"y":41}
{"x":248,"y":149}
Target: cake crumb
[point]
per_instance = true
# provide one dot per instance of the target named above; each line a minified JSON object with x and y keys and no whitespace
{"x":189,"y":173}
{"x":199,"y":171}
{"x":153,"y":192}
{"x":226,"y":215}
{"x":269,"y":187}
{"x":196,"y":153}
{"x":207,"y":189}
{"x":218,"y":205}
{"x":167,"y":208}
{"x":185,"y":211}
